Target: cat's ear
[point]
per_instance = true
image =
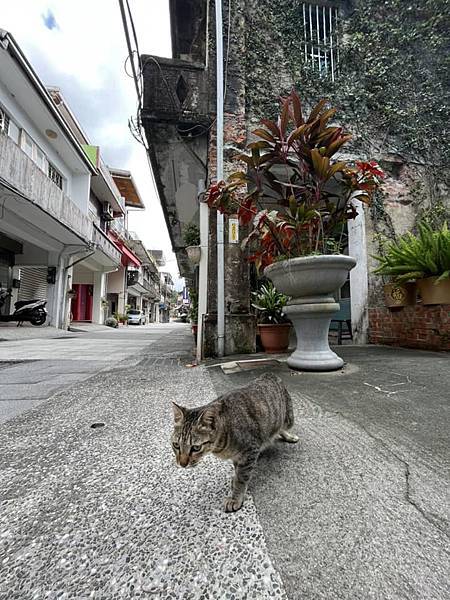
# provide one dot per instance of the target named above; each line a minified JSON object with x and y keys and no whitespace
{"x":178,"y":413}
{"x":207,"y":419}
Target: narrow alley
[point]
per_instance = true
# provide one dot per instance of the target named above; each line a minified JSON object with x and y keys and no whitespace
{"x":356,"y":509}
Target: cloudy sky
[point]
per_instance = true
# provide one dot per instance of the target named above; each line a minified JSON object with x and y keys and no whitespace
{"x":79,"y":46}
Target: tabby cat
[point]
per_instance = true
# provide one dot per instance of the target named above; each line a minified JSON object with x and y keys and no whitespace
{"x":236,"y":426}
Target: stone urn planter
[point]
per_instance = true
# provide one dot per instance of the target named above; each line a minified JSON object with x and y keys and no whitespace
{"x":194,"y":254}
{"x":311,"y":282}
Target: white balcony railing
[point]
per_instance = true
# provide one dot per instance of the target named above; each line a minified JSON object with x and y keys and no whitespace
{"x":19,"y":171}
{"x":104,"y":244}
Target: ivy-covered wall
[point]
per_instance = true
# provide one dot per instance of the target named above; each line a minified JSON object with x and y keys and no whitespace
{"x":393,"y":84}
{"x":392,"y":92}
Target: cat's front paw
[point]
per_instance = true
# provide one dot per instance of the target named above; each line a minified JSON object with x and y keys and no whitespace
{"x":233,"y":504}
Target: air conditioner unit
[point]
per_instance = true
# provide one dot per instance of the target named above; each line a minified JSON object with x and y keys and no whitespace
{"x":107,"y":212}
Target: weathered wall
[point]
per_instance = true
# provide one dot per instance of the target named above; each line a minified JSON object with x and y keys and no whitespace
{"x":392,"y":92}
{"x":240,"y":328}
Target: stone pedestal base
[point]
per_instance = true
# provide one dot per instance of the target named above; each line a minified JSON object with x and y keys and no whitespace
{"x":312,"y":322}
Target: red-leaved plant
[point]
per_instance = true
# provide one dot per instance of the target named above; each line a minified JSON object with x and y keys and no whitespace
{"x":295,"y":196}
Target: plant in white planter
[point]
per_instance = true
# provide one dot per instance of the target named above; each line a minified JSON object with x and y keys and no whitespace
{"x":191,"y":237}
{"x":297,"y":241}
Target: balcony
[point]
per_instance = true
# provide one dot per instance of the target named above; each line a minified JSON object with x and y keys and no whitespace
{"x":105,"y":245}
{"x":175,"y":90}
{"x":139,"y":285}
{"x":118,"y":227}
{"x":18,"y":171}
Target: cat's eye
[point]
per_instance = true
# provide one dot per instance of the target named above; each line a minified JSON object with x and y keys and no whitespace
{"x":196,"y":448}
{"x":176,"y":445}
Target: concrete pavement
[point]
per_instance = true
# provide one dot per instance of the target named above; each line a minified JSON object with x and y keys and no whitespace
{"x":358,"y":510}
{"x":362,"y":504}
{"x":36,"y":362}
{"x":105,"y":513}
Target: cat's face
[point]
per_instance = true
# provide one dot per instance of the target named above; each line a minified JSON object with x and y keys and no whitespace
{"x":193,"y":435}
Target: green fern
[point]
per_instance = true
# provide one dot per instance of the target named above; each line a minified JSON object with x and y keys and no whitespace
{"x":426,"y":254}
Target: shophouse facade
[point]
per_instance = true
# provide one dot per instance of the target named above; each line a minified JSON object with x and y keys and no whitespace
{"x":105,"y":204}
{"x":63,"y":224}
{"x":44,"y":189}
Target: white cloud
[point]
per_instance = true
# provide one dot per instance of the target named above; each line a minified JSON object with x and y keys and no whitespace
{"x":84,"y":55}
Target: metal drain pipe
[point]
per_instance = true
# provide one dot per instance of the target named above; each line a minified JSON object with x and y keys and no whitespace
{"x":219,"y":174}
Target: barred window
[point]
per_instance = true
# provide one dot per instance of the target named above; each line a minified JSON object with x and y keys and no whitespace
{"x":320,"y":39}
{"x":55,"y":176}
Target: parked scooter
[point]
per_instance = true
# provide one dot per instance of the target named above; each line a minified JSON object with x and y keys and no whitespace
{"x":33,"y":311}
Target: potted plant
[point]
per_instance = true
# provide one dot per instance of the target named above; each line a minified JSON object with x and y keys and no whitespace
{"x":397,"y":295}
{"x":191,"y":237}
{"x":298,"y":239}
{"x":111,"y":322}
{"x":193,"y":312}
{"x":423,"y":257}
{"x":274,"y":327}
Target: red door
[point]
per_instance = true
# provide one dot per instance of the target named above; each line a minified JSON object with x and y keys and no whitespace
{"x":82,"y":303}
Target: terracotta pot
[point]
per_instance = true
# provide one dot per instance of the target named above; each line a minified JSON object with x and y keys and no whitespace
{"x":400,"y":294}
{"x":434,"y":294}
{"x":275,"y":338}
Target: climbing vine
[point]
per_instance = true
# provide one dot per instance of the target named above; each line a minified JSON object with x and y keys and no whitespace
{"x":393,"y":83}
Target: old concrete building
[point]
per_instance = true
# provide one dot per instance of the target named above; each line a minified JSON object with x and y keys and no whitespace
{"x":44,"y":188}
{"x":89,"y":274}
{"x":381,"y":65}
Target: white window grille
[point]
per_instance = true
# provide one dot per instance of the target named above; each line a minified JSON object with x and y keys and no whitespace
{"x":4,"y":121}
{"x":14,"y":132}
{"x":55,"y":176}
{"x":40,"y":158}
{"x":27,"y":144}
{"x":320,"y":39}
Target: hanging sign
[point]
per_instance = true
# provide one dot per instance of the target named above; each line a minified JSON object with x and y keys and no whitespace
{"x":233,"y":230}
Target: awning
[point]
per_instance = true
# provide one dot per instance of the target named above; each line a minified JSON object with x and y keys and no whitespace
{"x":128,"y":258}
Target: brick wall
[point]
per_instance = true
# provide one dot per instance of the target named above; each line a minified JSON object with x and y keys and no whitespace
{"x":426,"y":327}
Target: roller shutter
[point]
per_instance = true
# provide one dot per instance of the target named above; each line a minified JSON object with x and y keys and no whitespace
{"x":4,"y":276}
{"x":33,"y":283}
{"x":6,"y":261}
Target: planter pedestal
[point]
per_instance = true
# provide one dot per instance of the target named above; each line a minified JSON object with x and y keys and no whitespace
{"x":312,"y":322}
{"x":311,"y":282}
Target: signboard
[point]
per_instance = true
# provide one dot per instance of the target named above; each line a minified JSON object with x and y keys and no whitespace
{"x":233,"y":230}
{"x":93,"y":153}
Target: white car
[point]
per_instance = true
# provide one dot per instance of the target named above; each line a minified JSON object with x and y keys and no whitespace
{"x":136,"y":317}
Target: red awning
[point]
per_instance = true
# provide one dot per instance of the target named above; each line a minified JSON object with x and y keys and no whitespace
{"x":128,"y":258}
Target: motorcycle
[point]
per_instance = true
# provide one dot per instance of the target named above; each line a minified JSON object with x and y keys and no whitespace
{"x":33,"y":311}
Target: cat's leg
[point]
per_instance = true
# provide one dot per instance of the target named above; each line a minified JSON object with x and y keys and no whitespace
{"x":243,"y":468}
{"x":288,"y":437}
{"x":288,"y":421}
